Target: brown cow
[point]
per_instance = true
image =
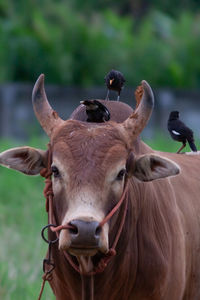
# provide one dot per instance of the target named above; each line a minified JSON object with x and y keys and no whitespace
{"x":158,"y":252}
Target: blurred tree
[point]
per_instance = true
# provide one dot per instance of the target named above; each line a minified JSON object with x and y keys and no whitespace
{"x":138,"y":8}
{"x":76,"y":44}
{"x":176,"y":7}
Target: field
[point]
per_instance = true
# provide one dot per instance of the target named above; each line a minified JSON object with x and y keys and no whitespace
{"x":22,"y":215}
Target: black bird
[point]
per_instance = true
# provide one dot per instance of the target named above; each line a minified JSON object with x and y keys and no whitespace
{"x":114,"y":81}
{"x":96,"y":111}
{"x":180,"y":132}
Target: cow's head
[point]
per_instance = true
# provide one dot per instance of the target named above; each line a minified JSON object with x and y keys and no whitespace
{"x":89,"y":165}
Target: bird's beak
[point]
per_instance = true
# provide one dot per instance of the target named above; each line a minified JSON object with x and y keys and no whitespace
{"x":111,"y":81}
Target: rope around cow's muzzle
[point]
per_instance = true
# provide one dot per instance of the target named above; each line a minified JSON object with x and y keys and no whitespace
{"x":48,"y":193}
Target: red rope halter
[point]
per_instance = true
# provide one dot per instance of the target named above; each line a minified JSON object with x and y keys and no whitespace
{"x":48,"y":193}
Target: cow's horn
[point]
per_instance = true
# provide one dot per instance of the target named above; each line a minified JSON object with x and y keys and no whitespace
{"x":139,"y":118}
{"x":46,"y":116}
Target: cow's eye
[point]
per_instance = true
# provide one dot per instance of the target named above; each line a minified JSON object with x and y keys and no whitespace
{"x":121,"y":174}
{"x":55,"y":171}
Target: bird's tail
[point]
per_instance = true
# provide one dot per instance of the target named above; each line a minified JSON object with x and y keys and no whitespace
{"x":192,"y":146}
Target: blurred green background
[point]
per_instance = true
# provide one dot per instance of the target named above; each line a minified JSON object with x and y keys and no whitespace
{"x":75,"y":43}
{"x":78,"y":42}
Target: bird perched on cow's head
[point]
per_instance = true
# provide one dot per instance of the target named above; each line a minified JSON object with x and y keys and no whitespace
{"x":114,"y":81}
{"x":180,"y":132}
{"x":96,"y":111}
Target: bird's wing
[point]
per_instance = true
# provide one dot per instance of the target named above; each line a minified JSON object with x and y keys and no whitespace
{"x":180,"y":128}
{"x":102,"y":108}
{"x":175,"y":132}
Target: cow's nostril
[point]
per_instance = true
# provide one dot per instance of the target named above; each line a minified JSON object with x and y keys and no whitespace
{"x":98,"y":231}
{"x":85,"y":233}
{"x":73,"y":230}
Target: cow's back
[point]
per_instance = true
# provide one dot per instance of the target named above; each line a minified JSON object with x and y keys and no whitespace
{"x":186,"y":187}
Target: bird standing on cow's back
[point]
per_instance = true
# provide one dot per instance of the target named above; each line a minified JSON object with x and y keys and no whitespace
{"x":114,"y":81}
{"x":180,"y":132}
{"x":96,"y":111}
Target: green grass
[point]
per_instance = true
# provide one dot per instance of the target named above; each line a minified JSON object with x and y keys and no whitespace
{"x":166,"y":144}
{"x":22,"y":215}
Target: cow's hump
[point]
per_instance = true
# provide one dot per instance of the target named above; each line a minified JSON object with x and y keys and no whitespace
{"x":119,"y":111}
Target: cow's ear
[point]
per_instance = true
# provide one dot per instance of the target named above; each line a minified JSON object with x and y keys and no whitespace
{"x":150,"y":167}
{"x":27,"y":160}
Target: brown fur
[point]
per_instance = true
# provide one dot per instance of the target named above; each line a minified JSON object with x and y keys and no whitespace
{"x":158,"y":251}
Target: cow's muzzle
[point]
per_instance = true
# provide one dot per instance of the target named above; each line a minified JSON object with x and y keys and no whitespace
{"x":84,"y":236}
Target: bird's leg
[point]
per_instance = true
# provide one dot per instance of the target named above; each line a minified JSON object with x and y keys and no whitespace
{"x":118,"y":96}
{"x":183,"y":146}
{"x":107,"y":96}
